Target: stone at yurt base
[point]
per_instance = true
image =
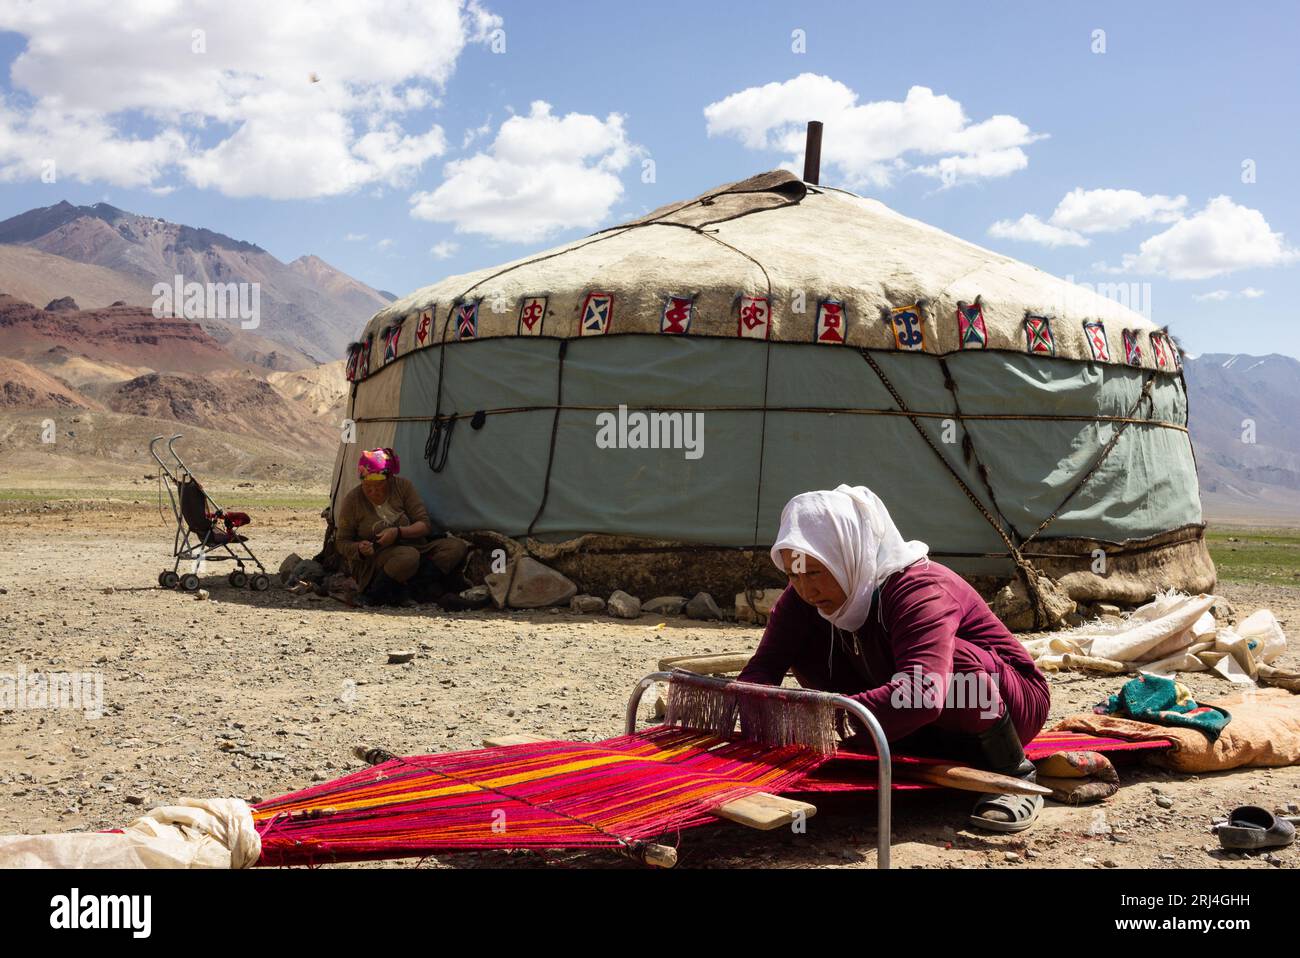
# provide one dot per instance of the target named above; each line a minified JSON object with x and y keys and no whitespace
{"x":623,"y":606}
{"x":531,"y":585}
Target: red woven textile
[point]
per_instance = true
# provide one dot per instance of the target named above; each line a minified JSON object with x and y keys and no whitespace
{"x":1050,"y":742}
{"x":565,"y":794}
{"x":536,"y":795}
{"x":856,"y":771}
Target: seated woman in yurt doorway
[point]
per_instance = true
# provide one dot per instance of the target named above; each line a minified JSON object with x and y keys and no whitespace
{"x":870,"y":615}
{"x":385,"y":534}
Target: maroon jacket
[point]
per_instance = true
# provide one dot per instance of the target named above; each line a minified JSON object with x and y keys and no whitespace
{"x":925,"y":616}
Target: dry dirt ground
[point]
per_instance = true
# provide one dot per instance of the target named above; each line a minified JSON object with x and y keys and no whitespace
{"x":292,"y":683}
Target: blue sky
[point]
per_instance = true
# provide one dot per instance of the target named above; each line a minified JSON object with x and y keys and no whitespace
{"x":407,"y":117}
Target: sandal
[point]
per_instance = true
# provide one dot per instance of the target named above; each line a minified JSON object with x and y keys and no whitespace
{"x":1250,"y":827}
{"x":1009,"y":813}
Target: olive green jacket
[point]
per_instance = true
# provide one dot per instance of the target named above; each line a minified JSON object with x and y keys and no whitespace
{"x":358,"y":520}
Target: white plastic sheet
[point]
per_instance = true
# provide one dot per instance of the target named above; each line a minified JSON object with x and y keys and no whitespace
{"x":1171,"y":633}
{"x":1156,"y":637}
{"x":1263,"y":635}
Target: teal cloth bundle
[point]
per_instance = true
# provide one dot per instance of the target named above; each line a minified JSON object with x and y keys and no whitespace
{"x":1162,"y":701}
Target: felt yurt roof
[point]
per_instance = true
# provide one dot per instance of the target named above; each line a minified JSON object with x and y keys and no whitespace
{"x":773,"y":237}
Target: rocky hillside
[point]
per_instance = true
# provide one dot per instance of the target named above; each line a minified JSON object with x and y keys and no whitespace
{"x":128,"y":335}
{"x":109,"y":379}
{"x":322,"y":389}
{"x":93,"y":448}
{"x":110,"y":370}
{"x":306,"y":306}
{"x":37,"y":277}
{"x":227,"y":402}
{"x":26,"y":387}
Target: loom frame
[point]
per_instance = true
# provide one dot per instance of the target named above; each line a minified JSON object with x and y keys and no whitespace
{"x":884,"y":763}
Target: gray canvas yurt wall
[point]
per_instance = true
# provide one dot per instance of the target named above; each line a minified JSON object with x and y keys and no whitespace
{"x":823,"y":339}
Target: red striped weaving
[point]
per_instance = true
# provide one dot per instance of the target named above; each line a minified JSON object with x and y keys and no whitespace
{"x":856,"y":771}
{"x":565,"y":794}
{"x":539,"y":795}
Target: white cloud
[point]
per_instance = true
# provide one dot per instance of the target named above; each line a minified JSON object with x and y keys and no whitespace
{"x":963,"y":169}
{"x":1219,"y":295}
{"x":542,"y":174}
{"x":286,"y":100}
{"x":476,"y":133}
{"x":1091,"y":211}
{"x":82,"y":146}
{"x":444,"y":250}
{"x":384,"y":244}
{"x":1109,"y":211}
{"x":1033,"y":230}
{"x":1219,"y":239}
{"x":354,"y":237}
{"x":871,"y":143}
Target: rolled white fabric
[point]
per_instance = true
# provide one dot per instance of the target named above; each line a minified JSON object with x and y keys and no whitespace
{"x":1132,"y":645}
{"x":194,"y":833}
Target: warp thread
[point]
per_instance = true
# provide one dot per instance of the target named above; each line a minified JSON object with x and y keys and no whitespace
{"x":773,"y":721}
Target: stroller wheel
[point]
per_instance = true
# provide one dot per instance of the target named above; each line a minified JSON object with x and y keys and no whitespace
{"x":168,"y":579}
{"x":261,"y":582}
{"x":238,"y":579}
{"x":190,"y":582}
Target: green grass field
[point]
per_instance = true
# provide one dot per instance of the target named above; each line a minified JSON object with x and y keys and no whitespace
{"x":1240,"y":554}
{"x":148,"y":496}
{"x":1256,"y":555}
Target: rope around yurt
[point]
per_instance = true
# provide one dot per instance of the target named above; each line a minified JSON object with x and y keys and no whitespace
{"x":1026,"y":569}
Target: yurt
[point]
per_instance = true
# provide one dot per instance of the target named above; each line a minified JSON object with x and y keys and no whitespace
{"x":634,"y":408}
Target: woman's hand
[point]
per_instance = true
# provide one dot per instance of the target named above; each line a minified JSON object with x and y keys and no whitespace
{"x":387,"y":537}
{"x":365,"y":548}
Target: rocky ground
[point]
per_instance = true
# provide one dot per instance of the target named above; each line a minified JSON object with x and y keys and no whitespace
{"x":256,"y":694}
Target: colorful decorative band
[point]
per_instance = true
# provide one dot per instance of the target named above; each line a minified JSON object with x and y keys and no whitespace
{"x":909,"y":327}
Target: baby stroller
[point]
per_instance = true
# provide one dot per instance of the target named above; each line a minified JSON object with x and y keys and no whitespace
{"x":203,"y":529}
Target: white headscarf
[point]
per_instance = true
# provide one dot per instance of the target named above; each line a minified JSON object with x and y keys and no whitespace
{"x":848,"y":530}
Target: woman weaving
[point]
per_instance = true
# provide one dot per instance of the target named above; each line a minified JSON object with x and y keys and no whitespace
{"x":870,"y":616}
{"x":385,"y":534}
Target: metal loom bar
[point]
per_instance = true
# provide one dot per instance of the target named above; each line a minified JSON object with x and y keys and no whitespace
{"x":884,"y":768}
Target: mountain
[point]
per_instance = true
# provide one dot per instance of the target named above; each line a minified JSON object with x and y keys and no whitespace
{"x":322,"y":389}
{"x":228,"y":402}
{"x":98,"y":449}
{"x":128,"y":335}
{"x":1246,"y":434}
{"x":28,"y":274}
{"x":111,"y":378}
{"x":25,"y":387}
{"x":340,"y":285}
{"x":307,"y":306}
